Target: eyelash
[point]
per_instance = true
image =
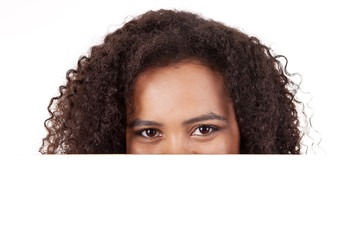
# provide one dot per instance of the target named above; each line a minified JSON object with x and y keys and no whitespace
{"x":213,"y":129}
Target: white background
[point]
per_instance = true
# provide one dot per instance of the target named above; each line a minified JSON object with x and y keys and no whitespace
{"x":104,"y":198}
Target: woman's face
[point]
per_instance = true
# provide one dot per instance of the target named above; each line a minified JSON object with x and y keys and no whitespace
{"x":182,"y":108}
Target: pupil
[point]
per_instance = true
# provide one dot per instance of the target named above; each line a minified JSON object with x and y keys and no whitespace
{"x":204,"y":129}
{"x":150,"y":132}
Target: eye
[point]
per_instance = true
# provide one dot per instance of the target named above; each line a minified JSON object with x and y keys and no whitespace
{"x":149,"y":133}
{"x":204,"y":130}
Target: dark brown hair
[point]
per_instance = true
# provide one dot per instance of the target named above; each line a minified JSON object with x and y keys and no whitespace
{"x":89,"y":115}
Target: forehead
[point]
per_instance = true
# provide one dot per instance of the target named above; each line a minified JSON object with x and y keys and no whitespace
{"x":180,"y":90}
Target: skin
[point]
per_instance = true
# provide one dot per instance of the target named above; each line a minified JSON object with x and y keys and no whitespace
{"x":182,"y":108}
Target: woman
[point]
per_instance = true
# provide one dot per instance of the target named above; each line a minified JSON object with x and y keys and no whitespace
{"x":173,"y":82}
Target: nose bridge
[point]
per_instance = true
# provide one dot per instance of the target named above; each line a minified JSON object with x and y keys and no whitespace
{"x":176,"y":144}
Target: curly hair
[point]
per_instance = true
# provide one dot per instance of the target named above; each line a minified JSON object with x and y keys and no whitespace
{"x":90,"y":114}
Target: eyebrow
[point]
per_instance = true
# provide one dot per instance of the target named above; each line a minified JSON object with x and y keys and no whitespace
{"x":210,"y":116}
{"x":140,"y":122}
